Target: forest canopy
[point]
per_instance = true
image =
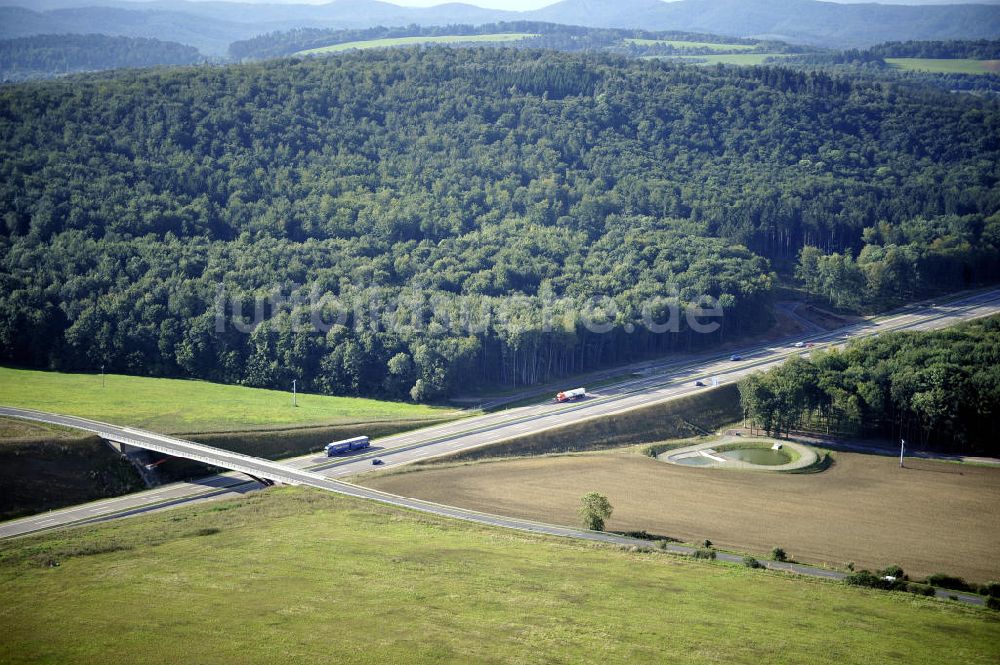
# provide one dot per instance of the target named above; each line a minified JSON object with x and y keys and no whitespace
{"x":938,"y":389}
{"x":45,"y":56}
{"x":455,"y":180}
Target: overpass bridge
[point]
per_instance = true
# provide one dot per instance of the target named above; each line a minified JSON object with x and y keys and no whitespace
{"x":264,"y":471}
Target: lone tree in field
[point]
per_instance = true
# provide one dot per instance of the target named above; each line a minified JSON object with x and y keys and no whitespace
{"x":595,"y":509}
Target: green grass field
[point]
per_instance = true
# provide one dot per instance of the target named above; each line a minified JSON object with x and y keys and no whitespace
{"x":296,"y":575}
{"x":946,"y":66}
{"x":410,"y":41}
{"x":713,"y":46}
{"x":176,"y":405}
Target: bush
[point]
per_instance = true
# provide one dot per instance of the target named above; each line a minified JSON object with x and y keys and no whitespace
{"x":993,"y":603}
{"x":991,"y":589}
{"x":703,"y":553}
{"x":949,"y":582}
{"x":779,"y":554}
{"x":751,"y":562}
{"x":866,"y":578}
{"x":595,"y":509}
{"x":893,"y":571}
{"x":707,"y":543}
{"x":645,"y":535}
{"x":920,"y":589}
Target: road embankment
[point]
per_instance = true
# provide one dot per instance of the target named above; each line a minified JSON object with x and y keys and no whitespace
{"x":675,"y":419}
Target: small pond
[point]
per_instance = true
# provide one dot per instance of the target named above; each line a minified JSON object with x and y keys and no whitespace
{"x":762,"y":456}
{"x":695,"y":460}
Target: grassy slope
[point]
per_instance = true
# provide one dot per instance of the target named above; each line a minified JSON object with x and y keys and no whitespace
{"x":300,"y":576}
{"x":928,"y":517}
{"x":946,"y":66}
{"x":409,"y":41}
{"x":43,"y":475}
{"x":680,"y":44}
{"x":175,"y":405}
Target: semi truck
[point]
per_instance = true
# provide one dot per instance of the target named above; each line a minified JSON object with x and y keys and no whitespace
{"x":337,"y":447}
{"x":570,"y":395}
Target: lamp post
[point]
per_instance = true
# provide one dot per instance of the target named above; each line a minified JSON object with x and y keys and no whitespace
{"x":293,"y":393}
{"x":902,"y":447}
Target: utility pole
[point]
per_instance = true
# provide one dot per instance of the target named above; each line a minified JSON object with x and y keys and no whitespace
{"x":102,"y":376}
{"x":293,"y":393}
{"x":902,"y":447}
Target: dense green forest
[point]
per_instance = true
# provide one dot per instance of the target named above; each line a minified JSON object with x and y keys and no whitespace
{"x":446,"y":207}
{"x":978,"y":49}
{"x":939,"y":389}
{"x":897,"y":263}
{"x":45,"y":56}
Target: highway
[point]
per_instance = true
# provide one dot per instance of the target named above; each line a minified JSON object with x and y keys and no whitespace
{"x":661,"y":382}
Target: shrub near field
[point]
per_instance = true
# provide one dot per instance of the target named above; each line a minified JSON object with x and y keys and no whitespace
{"x":309,"y":577}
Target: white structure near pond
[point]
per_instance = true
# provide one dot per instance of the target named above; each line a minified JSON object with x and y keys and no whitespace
{"x":725,"y":452}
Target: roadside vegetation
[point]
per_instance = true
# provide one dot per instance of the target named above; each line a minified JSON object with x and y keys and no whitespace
{"x":935,"y":389}
{"x":242,"y":580}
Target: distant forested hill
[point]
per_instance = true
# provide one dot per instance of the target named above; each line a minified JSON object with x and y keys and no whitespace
{"x":481,"y":185}
{"x":633,"y":42}
{"x":211,"y":26}
{"x":45,"y":56}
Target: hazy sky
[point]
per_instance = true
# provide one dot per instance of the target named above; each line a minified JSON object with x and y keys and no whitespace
{"x":521,"y":5}
{"x":535,"y":4}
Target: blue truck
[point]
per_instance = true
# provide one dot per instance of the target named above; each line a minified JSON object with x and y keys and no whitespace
{"x":337,"y":447}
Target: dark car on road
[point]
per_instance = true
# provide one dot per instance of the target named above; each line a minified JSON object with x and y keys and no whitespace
{"x":376,"y":461}
{"x":736,"y":356}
